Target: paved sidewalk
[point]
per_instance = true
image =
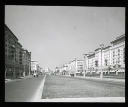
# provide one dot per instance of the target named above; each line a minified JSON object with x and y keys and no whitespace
{"x":96,"y":78}
{"x":9,"y":80}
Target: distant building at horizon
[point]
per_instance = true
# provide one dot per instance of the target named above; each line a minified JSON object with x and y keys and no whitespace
{"x":34,"y":66}
{"x":46,"y":69}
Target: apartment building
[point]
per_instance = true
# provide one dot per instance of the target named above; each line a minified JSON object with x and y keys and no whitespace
{"x":106,"y":59}
{"x":80,"y":65}
{"x":13,"y":55}
{"x":113,"y":58}
{"x":91,"y":62}
{"x":118,"y":54}
{"x":34,"y":65}
{"x":73,"y":66}
{"x":26,"y":60}
{"x":76,"y":66}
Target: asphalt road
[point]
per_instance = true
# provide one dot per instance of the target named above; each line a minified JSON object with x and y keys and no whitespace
{"x":67,"y":87}
{"x":22,"y":90}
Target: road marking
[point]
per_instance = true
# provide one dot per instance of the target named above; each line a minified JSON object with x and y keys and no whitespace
{"x":38,"y":96}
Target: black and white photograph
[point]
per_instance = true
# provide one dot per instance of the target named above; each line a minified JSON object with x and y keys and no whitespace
{"x":64,"y":53}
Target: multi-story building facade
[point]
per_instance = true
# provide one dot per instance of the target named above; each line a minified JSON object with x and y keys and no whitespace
{"x":113,"y":58}
{"x":34,"y":65}
{"x":118,"y":54}
{"x":26,"y":61}
{"x":97,"y":59}
{"x":73,"y":66}
{"x":76,"y":66}
{"x":13,"y":55}
{"x":109,"y":59}
{"x":46,"y":69}
{"x":106,"y":59}
{"x":91,"y":62}
{"x":80,"y":65}
{"x":65,"y":69}
{"x":20,"y":61}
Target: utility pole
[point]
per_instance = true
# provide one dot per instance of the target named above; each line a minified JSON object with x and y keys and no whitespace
{"x":84,"y":64}
{"x":85,"y":58}
{"x":24,"y":63}
{"x":75,"y":67}
{"x":101,"y":74}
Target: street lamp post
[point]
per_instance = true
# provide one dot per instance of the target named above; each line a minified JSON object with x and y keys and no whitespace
{"x":29,"y":67}
{"x":75,"y":67}
{"x":85,"y":55}
{"x":84,"y":64}
{"x":24,"y":64}
{"x":29,"y":63}
{"x":101,"y":74}
{"x":91,"y":65}
{"x":69,"y":68}
{"x":84,"y":67}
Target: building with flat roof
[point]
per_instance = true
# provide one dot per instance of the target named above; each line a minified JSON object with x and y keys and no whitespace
{"x":118,"y":54}
{"x":34,"y":66}
{"x":26,"y":61}
{"x":14,"y":64}
{"x":113,"y":58}
{"x":76,"y":66}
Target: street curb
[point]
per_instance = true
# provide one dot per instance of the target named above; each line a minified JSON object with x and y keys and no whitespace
{"x":39,"y":95}
{"x":11,"y":80}
{"x":86,"y":99}
{"x":90,"y":99}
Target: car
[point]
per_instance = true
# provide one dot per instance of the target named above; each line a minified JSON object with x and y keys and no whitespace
{"x":35,"y":75}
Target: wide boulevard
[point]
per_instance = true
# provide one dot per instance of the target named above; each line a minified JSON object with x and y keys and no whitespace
{"x":56,"y":86}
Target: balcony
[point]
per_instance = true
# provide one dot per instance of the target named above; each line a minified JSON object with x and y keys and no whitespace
{"x":11,"y":56}
{"x":12,"y":47}
{"x":12,"y":51}
{"x":20,"y":52}
{"x":20,"y":62}
{"x":20,"y":59}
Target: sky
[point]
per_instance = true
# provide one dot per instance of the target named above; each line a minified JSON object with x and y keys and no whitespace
{"x":58,"y":34}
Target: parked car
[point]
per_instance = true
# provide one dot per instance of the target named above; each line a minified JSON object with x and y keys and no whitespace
{"x":35,"y":74}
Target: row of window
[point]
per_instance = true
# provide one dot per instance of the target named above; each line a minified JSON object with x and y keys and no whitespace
{"x":9,"y":51}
